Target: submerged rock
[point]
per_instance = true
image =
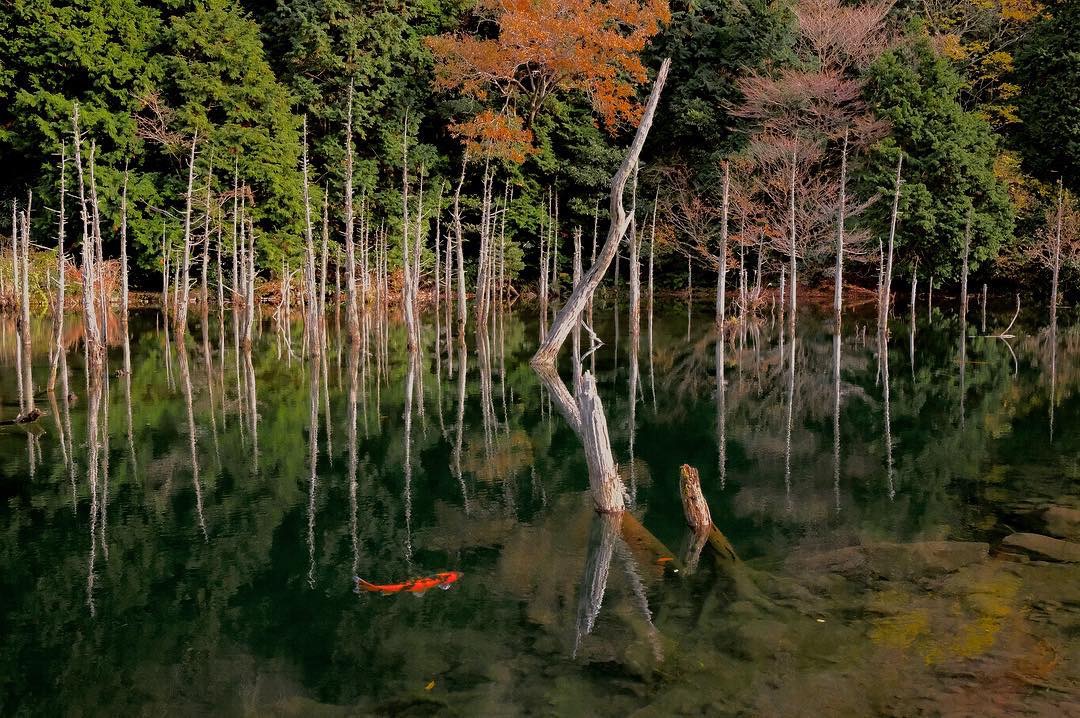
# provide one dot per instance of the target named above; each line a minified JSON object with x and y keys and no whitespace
{"x":895,"y":560}
{"x":1062,"y":522}
{"x":1043,"y":547}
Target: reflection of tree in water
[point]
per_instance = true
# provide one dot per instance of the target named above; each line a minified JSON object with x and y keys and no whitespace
{"x":192,"y":618}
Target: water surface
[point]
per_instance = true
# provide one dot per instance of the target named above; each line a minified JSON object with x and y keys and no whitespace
{"x":189,"y":546}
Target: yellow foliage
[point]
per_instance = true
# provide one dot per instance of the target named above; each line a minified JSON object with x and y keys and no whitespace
{"x":1021,"y":187}
{"x":1020,"y":11}
{"x":998,"y":62}
{"x":953,"y":48}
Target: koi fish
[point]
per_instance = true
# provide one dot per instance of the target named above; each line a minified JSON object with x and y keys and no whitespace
{"x":413,"y":585}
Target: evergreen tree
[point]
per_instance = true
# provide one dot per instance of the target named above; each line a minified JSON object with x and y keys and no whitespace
{"x":948,"y":163}
{"x":220,"y":85}
{"x":1049,"y":70}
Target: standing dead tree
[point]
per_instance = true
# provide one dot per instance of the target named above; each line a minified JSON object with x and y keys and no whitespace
{"x":620,"y":222}
{"x":802,"y":110}
{"x":1057,"y":244}
{"x":352,"y":318}
{"x":95,"y":349}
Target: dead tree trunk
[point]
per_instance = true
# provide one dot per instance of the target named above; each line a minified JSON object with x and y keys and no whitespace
{"x":184,"y":298}
{"x":635,"y":269}
{"x":61,"y":283}
{"x":721,"y":278}
{"x":458,"y":240}
{"x":607,"y":487}
{"x":567,"y":316}
{"x":964,"y":268}
{"x":838,"y":287}
{"x":695,"y":508}
{"x":794,"y":250}
{"x":94,"y":348}
{"x":1056,"y":262}
{"x":886,"y":284}
{"x":352,"y":318}
{"x":204,"y":289}
{"x":24,"y":310}
{"x":310,"y":319}
{"x":123,"y":249}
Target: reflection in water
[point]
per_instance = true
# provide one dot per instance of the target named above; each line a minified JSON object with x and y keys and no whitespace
{"x":201,"y":614}
{"x":790,"y":413}
{"x":837,"y":341}
{"x":354,"y":372}
{"x":883,"y":355}
{"x":602,"y":535}
{"x":721,"y":409}
{"x":313,"y":462}
{"x":185,"y":381}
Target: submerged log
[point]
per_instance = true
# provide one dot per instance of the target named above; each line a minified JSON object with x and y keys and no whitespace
{"x":704,"y":533}
{"x":28,"y":418}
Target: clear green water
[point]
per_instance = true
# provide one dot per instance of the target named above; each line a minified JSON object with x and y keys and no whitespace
{"x":211,"y":572}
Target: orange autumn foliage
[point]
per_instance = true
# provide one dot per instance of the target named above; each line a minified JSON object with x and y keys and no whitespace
{"x":547,"y":46}
{"x":495,"y":136}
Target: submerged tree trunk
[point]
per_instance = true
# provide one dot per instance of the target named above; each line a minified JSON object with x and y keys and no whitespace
{"x":635,"y":270}
{"x":567,"y":316}
{"x":458,"y":240}
{"x":794,"y":251}
{"x":1056,"y":262}
{"x":311,"y":336}
{"x":721,"y":279}
{"x":61,"y":282}
{"x":24,"y":311}
{"x":94,"y":348}
{"x":123,"y":249}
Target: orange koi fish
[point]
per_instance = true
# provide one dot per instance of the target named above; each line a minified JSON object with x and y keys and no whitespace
{"x":413,"y":585}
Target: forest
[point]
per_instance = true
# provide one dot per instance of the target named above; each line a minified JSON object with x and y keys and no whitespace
{"x":822,"y":140}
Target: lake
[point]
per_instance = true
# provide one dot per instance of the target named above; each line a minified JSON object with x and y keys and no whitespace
{"x":188,"y":544}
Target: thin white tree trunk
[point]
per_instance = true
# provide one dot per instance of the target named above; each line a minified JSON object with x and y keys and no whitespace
{"x":352,"y":318}
{"x":886,"y":288}
{"x":184,"y":299}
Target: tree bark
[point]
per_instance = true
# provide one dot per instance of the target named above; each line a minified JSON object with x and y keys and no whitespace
{"x":695,"y":508}
{"x":185,"y":296}
{"x":721,"y":278}
{"x":964,"y":268}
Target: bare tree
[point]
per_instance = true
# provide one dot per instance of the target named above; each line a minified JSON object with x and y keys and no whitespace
{"x":567,"y":316}
{"x":1057,"y":244}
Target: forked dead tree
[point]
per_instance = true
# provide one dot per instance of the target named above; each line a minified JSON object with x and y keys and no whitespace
{"x":620,"y":222}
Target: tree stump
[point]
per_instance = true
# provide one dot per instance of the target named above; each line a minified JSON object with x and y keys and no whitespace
{"x":695,"y":507}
